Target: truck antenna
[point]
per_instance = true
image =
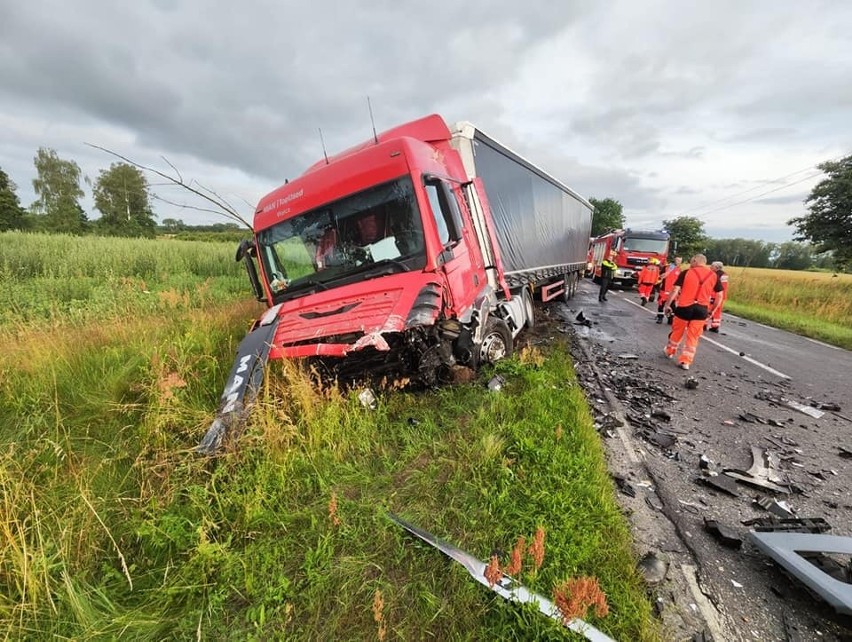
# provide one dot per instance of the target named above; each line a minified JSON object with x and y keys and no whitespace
{"x":373,"y":122}
{"x":322,"y":142}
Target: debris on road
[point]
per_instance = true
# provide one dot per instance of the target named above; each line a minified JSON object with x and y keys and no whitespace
{"x":845,"y":452}
{"x":582,"y":320}
{"x":653,"y":568}
{"x":691,"y":383}
{"x":624,"y":486}
{"x":630,"y":356}
{"x":789,"y":525}
{"x":725,"y":535}
{"x":505,"y":587}
{"x":781,"y":509}
{"x":765,"y":395}
{"x":796,"y":553}
{"x":762,"y":472}
{"x":721,"y":483}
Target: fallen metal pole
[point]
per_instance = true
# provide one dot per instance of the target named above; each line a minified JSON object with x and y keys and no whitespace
{"x":506,"y":588}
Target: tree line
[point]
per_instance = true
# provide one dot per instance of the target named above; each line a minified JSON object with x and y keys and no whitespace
{"x":120,"y":193}
{"x":823,"y":236}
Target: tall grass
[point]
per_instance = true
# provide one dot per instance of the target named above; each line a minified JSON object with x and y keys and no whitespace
{"x":814,"y":304}
{"x":56,"y":278}
{"x":111,"y":526}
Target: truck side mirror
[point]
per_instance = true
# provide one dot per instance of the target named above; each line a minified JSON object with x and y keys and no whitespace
{"x":246,"y":250}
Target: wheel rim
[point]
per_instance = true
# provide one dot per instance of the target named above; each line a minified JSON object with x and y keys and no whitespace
{"x":529,"y":306}
{"x":493,"y":348}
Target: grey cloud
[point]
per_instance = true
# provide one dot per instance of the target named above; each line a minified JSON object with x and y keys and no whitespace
{"x":782,"y":200}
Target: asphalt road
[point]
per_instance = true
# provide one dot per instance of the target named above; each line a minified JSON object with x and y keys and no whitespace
{"x":723,"y":418}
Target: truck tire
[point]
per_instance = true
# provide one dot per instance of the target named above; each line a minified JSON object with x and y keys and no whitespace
{"x":496,"y":342}
{"x":529,"y":308}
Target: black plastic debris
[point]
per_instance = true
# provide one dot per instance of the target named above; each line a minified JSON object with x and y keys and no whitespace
{"x":582,"y":320}
{"x":691,"y":383}
{"x":704,"y":462}
{"x":721,"y":483}
{"x":765,"y":395}
{"x":662,"y":415}
{"x":662,"y":439}
{"x":724,"y":535}
{"x":624,"y":486}
{"x":789,"y":525}
{"x":845,"y":452}
{"x":831,"y":406}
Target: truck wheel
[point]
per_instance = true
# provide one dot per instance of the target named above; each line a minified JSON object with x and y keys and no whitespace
{"x":529,"y":309}
{"x":496,"y":342}
{"x":567,"y":292}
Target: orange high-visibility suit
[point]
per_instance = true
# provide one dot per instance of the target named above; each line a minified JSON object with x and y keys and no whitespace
{"x":715,"y":321}
{"x":666,"y":287}
{"x":648,"y":278}
{"x":694,"y":289}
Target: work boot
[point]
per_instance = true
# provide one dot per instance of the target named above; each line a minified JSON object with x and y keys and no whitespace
{"x":644,"y":302}
{"x":659,"y":318}
{"x":716,"y":330}
{"x":684,"y":366}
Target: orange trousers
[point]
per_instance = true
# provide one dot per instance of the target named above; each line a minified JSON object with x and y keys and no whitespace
{"x":645,"y":290}
{"x":693,"y":331}
{"x":715,"y":321}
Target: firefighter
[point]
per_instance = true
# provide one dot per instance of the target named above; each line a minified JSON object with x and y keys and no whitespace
{"x":608,"y":270}
{"x":648,"y":278}
{"x":666,"y":285}
{"x":692,"y":292}
{"x":714,"y":322}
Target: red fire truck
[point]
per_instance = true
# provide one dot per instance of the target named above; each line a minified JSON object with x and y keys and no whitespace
{"x":634,"y":248}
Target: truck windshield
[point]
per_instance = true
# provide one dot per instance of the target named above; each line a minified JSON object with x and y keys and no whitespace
{"x":638,"y":244}
{"x":356,"y":237}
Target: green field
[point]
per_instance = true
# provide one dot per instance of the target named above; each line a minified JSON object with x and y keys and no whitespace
{"x":813,"y":304}
{"x":110,"y":526}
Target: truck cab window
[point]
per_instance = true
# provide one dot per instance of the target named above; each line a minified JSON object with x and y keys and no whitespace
{"x":445,"y":209}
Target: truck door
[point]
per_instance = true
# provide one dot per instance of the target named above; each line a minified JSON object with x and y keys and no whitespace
{"x":461,"y":264}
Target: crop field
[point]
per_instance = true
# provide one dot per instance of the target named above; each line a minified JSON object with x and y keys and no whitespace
{"x":813,"y":304}
{"x":111,"y":526}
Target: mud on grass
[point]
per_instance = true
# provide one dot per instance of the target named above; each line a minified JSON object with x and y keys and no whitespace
{"x":112,"y":526}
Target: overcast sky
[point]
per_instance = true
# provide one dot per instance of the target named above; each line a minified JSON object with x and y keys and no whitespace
{"x":668,"y":106}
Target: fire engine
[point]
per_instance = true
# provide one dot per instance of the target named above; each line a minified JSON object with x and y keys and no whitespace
{"x":634,"y":248}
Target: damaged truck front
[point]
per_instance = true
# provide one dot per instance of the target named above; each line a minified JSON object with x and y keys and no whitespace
{"x":410,"y":253}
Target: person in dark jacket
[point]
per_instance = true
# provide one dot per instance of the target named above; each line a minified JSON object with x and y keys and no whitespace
{"x":608,"y":269}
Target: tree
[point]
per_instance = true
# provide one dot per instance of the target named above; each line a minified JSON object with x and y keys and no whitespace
{"x":173,"y":225}
{"x":794,"y":256}
{"x":11,"y":212}
{"x":829,"y":223}
{"x":121,"y":196}
{"x":607,"y":215}
{"x":58,"y":188}
{"x":745,"y":252}
{"x":688,"y":233}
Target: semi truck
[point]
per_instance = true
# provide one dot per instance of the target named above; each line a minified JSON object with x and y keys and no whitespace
{"x":415,"y":251}
{"x":633,"y":248}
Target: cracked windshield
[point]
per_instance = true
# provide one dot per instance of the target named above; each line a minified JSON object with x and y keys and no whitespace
{"x":379,"y":226}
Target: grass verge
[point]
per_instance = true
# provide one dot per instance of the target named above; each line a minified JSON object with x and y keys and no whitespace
{"x":813,"y":304}
{"x":112,"y":527}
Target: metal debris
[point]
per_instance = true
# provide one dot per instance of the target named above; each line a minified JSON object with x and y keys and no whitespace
{"x":496,"y":384}
{"x":789,"y":549}
{"x":628,"y":355}
{"x":781,"y":509}
{"x":830,"y":406}
{"x":367,"y":398}
{"x":762,"y":472}
{"x":506,"y":588}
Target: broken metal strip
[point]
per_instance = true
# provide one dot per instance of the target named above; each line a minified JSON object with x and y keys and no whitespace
{"x":506,"y":588}
{"x":785,"y":548}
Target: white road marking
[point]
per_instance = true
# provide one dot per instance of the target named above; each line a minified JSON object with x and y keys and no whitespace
{"x":724,"y":347}
{"x":820,"y":343}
